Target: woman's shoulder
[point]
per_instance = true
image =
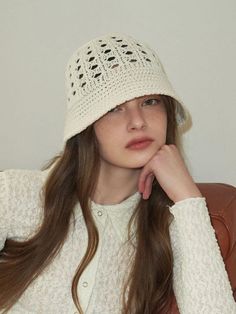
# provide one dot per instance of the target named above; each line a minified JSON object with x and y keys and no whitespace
{"x":21,"y":185}
{"x":13,"y":176}
{"x":21,"y":200}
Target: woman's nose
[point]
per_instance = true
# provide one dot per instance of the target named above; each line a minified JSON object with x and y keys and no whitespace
{"x":136,"y":119}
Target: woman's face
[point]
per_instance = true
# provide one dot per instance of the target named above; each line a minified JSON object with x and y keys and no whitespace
{"x":138,"y":119}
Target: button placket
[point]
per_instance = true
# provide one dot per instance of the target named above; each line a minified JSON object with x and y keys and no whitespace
{"x":100,"y":216}
{"x":85,"y":284}
{"x":99,"y":213}
{"x":87,"y":279}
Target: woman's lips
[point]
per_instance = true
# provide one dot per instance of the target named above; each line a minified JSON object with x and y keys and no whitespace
{"x":140,"y":145}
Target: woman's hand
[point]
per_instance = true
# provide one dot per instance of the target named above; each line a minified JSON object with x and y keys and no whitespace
{"x":168,"y":166}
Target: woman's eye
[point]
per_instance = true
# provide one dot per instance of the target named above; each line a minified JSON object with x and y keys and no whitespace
{"x":152,"y":101}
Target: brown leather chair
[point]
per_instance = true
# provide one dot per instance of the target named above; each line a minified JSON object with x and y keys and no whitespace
{"x":221,"y":202}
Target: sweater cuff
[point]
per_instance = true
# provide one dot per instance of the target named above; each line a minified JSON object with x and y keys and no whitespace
{"x":189,"y":204}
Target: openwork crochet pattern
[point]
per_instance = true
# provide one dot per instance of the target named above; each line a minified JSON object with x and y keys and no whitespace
{"x":106,"y":72}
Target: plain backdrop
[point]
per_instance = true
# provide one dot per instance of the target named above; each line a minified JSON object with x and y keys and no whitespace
{"x":195,"y":40}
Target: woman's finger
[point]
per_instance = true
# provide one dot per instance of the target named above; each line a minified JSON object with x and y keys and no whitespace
{"x":146,"y":171}
{"x":148,"y":186}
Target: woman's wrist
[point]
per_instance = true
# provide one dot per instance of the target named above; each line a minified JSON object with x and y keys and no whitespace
{"x":188,"y":194}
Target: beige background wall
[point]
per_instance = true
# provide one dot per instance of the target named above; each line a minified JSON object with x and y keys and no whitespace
{"x":195,"y":40}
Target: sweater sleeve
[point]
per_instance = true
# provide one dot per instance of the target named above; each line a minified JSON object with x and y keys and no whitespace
{"x":3,"y":210}
{"x":201,"y":283}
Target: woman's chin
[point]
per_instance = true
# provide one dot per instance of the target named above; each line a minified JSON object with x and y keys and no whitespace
{"x":131,"y":161}
{"x":138,"y":162}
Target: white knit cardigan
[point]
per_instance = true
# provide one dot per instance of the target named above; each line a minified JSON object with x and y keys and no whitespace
{"x":201,"y":283}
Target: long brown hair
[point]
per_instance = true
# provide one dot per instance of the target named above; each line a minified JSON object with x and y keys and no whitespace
{"x":150,"y":282}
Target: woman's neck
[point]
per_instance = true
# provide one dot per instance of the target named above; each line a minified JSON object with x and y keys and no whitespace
{"x":115,"y":184}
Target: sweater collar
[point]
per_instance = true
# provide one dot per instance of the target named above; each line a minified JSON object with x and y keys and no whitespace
{"x":119,"y":214}
{"x":124,"y":206}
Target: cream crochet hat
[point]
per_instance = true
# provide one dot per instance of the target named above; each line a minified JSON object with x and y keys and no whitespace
{"x":106,"y":72}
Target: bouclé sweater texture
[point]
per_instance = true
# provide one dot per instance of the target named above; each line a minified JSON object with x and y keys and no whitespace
{"x":200,"y":281}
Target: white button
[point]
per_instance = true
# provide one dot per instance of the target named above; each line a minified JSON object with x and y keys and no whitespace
{"x":99,"y":213}
{"x":85,"y":284}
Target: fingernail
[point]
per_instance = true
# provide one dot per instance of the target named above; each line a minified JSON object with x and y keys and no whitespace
{"x":145,"y":196}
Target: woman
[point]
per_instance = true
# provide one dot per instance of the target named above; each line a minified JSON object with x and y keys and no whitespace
{"x":115,"y":223}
